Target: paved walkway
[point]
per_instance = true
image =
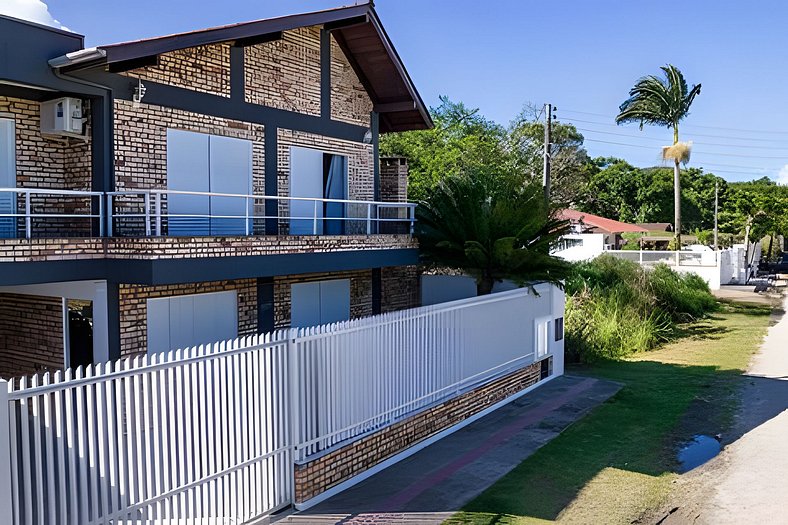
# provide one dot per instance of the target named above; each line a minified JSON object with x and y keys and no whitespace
{"x":429,"y":486}
{"x":752,"y":487}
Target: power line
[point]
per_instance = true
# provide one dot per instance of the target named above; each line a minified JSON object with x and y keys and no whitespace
{"x":572,"y":120}
{"x":783,"y":158}
{"x":700,"y":143}
{"x":761,"y":131}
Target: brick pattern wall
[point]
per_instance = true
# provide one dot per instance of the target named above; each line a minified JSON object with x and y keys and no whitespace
{"x":360,"y":293}
{"x":42,"y":162}
{"x":203,"y":68}
{"x":360,"y":171}
{"x":17,"y":250}
{"x":134,"y":308}
{"x":399,"y":288}
{"x":285,"y":73}
{"x":350,"y":101}
{"x":31,"y":334}
{"x":315,"y":477}
{"x":141,"y":142}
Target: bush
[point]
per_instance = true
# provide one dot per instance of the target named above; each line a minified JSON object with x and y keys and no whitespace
{"x":615,"y":307}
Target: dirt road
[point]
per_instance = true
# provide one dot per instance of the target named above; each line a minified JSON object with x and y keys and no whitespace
{"x":746,"y":483}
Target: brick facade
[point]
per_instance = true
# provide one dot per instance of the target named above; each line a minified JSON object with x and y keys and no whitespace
{"x":360,"y":293}
{"x":49,"y":162}
{"x":134,"y":308}
{"x":394,"y":179}
{"x":285,"y":73}
{"x":350,"y":101}
{"x":141,"y":142}
{"x":317,"y":476}
{"x":203,"y":68}
{"x":31,"y":334}
{"x":399,"y":288}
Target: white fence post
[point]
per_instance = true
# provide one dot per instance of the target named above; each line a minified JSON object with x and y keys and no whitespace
{"x":7,"y":514}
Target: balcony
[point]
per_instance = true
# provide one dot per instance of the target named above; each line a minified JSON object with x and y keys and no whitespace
{"x":38,"y":224}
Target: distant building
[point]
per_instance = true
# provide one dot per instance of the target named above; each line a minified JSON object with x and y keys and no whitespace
{"x":582,"y":222}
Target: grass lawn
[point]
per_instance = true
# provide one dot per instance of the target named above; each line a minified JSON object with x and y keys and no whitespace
{"x":619,"y":461}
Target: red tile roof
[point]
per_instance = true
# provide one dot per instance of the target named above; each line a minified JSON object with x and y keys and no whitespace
{"x":595,"y":221}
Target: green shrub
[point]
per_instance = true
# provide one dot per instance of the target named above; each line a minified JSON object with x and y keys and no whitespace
{"x":615,"y":307}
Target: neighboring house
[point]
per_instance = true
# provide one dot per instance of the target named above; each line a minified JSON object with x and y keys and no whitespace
{"x":190,"y":188}
{"x":588,"y":223}
{"x":656,"y":227}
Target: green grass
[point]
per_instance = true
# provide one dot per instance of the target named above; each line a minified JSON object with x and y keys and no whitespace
{"x":619,"y":461}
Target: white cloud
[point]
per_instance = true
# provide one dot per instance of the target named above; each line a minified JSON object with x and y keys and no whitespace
{"x":31,"y":10}
{"x":782,"y":177}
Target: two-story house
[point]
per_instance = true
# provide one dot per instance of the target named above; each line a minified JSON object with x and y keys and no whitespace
{"x":195,"y":187}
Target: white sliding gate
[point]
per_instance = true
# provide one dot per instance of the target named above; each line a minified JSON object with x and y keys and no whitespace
{"x":213,"y":432}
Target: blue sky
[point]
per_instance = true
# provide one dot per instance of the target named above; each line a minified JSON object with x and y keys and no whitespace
{"x":580,"y":55}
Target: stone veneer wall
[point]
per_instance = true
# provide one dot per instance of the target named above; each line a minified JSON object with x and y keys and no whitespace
{"x":134,"y":308}
{"x":31,"y":334}
{"x":350,"y":101}
{"x":285,"y":73}
{"x":141,"y":142}
{"x":315,"y":477}
{"x":360,"y":293}
{"x":399,"y":288}
{"x":202,"y":68}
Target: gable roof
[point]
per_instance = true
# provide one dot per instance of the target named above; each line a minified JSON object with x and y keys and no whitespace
{"x":656,"y":226}
{"x":357,"y":30}
{"x":602,"y":223}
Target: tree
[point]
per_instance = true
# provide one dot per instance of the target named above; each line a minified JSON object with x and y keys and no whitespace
{"x":462,"y":141}
{"x":663,"y":102}
{"x":492,"y":228}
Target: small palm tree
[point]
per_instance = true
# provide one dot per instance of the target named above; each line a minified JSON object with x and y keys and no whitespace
{"x":492,"y":229}
{"x":663,"y":102}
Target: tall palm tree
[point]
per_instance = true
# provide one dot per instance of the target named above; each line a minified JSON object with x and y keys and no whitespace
{"x":663,"y":101}
{"x":491,"y":228}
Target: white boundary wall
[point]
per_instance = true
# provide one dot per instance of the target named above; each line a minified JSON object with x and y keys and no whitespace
{"x":211,"y":433}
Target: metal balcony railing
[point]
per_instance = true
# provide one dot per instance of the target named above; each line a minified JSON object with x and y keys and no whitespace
{"x":41,"y":212}
{"x":38,"y":212}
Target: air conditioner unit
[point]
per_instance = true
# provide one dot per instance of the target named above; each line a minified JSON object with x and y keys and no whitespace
{"x":62,"y":116}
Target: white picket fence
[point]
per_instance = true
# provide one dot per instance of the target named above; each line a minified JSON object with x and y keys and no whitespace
{"x":212,"y":433}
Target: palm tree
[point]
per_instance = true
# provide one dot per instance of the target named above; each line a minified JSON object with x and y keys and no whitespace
{"x":663,"y":102}
{"x":491,"y":228}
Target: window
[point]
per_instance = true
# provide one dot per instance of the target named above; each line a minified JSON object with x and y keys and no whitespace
{"x":320,"y":302}
{"x":315,"y":174}
{"x":197,"y":162}
{"x":7,"y":177}
{"x":559,"y":329}
{"x":190,"y":320}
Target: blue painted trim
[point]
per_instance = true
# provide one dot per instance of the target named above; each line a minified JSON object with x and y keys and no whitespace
{"x":200,"y":269}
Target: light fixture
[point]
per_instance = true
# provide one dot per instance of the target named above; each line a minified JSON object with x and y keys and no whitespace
{"x":139,"y":93}
{"x":368,"y":137}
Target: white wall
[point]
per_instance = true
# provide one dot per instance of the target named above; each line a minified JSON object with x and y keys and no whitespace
{"x":592,"y":245}
{"x":436,"y":289}
{"x":547,"y":302}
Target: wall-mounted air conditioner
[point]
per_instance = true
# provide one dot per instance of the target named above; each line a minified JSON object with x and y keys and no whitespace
{"x":63,"y":116}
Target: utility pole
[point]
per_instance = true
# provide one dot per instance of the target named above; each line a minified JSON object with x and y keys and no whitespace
{"x":548,"y":124}
{"x":716,"y":210}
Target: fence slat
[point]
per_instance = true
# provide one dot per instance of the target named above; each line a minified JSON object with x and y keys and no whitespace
{"x":213,"y":431}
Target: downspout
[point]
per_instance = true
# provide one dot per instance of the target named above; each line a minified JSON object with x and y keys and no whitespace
{"x":112,"y":287}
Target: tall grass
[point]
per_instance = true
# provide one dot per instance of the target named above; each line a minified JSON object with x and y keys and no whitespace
{"x":615,"y":307}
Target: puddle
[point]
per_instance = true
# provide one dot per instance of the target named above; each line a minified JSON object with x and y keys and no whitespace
{"x":697,"y":452}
